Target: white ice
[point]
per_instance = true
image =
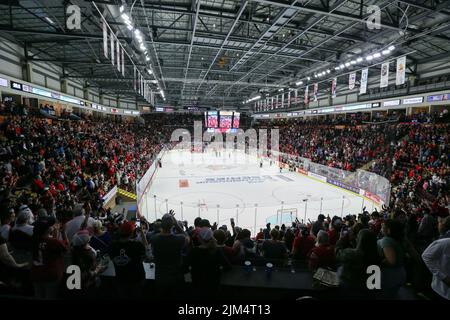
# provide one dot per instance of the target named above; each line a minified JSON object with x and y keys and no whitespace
{"x":233,"y":185}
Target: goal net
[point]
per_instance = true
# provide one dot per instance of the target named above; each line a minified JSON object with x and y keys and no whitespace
{"x":283,"y":216}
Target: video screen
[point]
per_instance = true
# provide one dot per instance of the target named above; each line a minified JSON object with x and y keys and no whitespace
{"x":225,"y":119}
{"x":212,"y":119}
{"x":236,"y":120}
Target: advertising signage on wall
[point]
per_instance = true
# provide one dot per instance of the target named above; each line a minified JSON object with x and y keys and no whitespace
{"x":413,"y":100}
{"x":3,"y":82}
{"x":376,"y":105}
{"x":438,"y":97}
{"x":16,"y":85}
{"x":391,"y":103}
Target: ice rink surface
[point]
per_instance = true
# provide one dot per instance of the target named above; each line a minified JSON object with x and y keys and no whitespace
{"x":233,"y":185}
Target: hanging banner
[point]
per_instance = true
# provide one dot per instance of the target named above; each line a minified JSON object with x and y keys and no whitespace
{"x":105,"y":40}
{"x":401,"y":70}
{"x":333,"y":87}
{"x":113,"y":48}
{"x":271,"y":103}
{"x":282,"y":100}
{"x":134,"y":78}
{"x":276,"y":103}
{"x":351,"y":80}
{"x":118,"y":54}
{"x":316,"y":87}
{"x":123,"y":63}
{"x":384,"y":79}
{"x":289,"y":99}
{"x":364,"y":77}
{"x":295,"y":96}
{"x":306,"y":100}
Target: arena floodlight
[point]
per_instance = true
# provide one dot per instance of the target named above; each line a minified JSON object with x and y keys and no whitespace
{"x":337,"y":68}
{"x":149,"y":71}
{"x":353,"y":62}
{"x":386,"y":52}
{"x":342,"y":66}
{"x":147,"y":58}
{"x":298,"y":83}
{"x":347,"y":64}
{"x":121,"y":8}
{"x":130,"y":27}
{"x":328,"y":70}
{"x":377,"y":55}
{"x":308,"y":78}
{"x":391,"y":48}
{"x":369,"y":57}
{"x":359,"y":59}
{"x":125,"y":17}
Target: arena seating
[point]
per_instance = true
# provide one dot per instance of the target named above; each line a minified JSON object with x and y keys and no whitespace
{"x":55,"y":173}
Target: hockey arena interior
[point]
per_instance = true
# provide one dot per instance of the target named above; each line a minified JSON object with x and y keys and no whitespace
{"x":217,"y":149}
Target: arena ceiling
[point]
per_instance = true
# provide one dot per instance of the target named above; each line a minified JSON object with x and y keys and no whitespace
{"x":221,"y":52}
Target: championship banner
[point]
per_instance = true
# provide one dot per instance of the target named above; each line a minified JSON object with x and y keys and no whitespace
{"x":118,"y":54}
{"x":333,"y":87}
{"x":401,"y":69}
{"x":295,"y":96}
{"x":282,"y":100}
{"x":351,"y":80}
{"x":105,"y":39}
{"x":384,"y":79}
{"x":123,"y":63}
{"x":306,"y":100}
{"x":364,"y":77}
{"x":113,"y":48}
{"x":271,"y":104}
{"x":276,"y":103}
{"x":316,"y":87}
{"x":289,"y":99}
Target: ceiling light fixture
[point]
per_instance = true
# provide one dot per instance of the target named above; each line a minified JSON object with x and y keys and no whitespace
{"x":377,"y":55}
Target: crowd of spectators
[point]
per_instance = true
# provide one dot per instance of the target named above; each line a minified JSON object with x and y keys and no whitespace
{"x":55,"y":173}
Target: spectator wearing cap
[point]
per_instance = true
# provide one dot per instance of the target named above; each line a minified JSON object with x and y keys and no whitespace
{"x":322,"y":255}
{"x":127,"y":256}
{"x":167,"y":247}
{"x":74,"y":225}
{"x":206,"y":262}
{"x":48,"y":260}
{"x":274,"y":250}
{"x":84,"y":256}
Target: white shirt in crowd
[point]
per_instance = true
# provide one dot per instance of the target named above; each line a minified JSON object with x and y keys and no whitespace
{"x":437,"y":260}
{"x":26,"y":228}
{"x":74,"y":225}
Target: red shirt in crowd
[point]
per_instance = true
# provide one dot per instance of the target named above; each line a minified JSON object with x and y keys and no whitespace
{"x":303,"y":245}
{"x":322,"y":257}
{"x":48,"y":261}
